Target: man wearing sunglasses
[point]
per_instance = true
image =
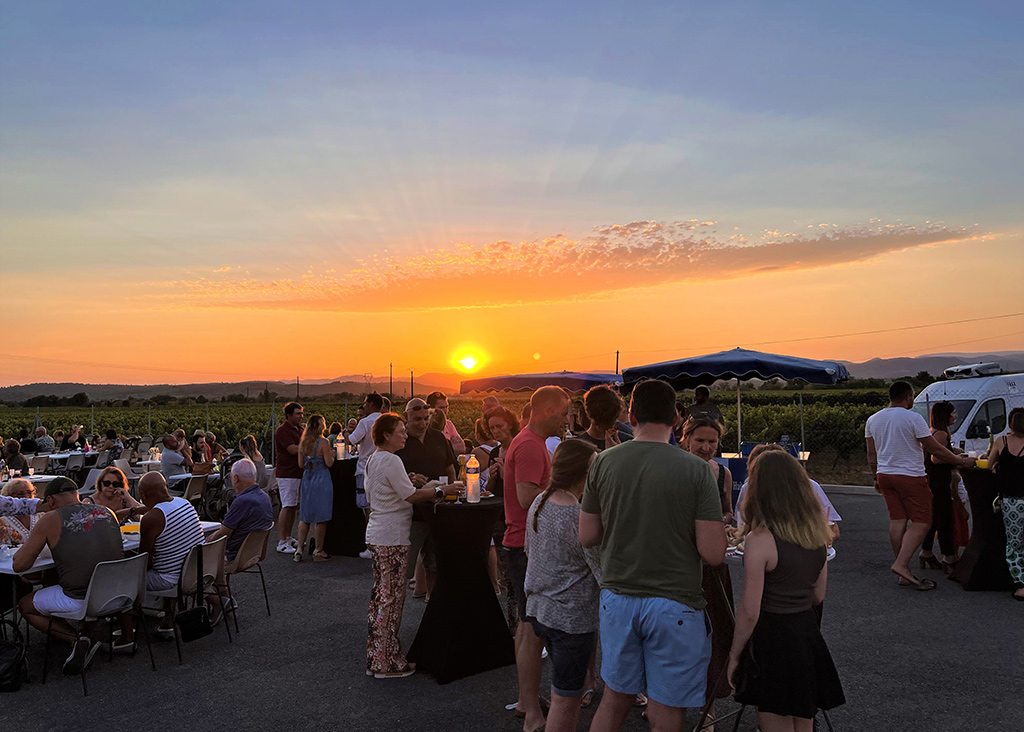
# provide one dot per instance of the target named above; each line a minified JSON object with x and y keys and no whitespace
{"x":80,"y":536}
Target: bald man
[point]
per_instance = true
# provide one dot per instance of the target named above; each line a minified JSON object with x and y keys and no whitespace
{"x":168,"y":531}
{"x":527,"y":471}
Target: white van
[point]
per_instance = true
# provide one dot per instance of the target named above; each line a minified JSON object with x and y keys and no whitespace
{"x":982,"y":401}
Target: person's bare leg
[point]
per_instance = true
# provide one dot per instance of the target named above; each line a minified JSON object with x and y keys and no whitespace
{"x":319,"y":531}
{"x":664,"y":718}
{"x":419,"y":577}
{"x":912,"y":539}
{"x":492,"y":568}
{"x":612,"y":712}
{"x":127,"y":628}
{"x":286,"y":523}
{"x":431,"y":575}
{"x":564,"y":714}
{"x":303,"y":536}
{"x":528,"y":668}
{"x":61,"y":628}
{"x":167,"y":622}
{"x":896,"y":531}
{"x":775,"y":723}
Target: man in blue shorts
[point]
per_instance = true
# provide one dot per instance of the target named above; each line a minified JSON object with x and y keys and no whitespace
{"x":655,"y":511}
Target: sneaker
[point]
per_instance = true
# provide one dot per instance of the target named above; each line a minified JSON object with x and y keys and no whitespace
{"x":543,"y":653}
{"x":81,"y":654}
{"x":294,"y":542}
{"x":285,"y":547}
{"x":296,"y":556}
{"x":365,"y":554}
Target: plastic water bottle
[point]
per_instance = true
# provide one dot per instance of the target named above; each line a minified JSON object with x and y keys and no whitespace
{"x":472,"y":480}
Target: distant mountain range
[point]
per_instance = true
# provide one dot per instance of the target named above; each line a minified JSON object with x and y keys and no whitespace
{"x":878,"y":368}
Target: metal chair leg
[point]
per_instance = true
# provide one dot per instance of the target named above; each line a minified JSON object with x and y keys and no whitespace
{"x":46,"y":651}
{"x":264,"y":583}
{"x":231,"y":601}
{"x":828,"y":720}
{"x":145,"y":637}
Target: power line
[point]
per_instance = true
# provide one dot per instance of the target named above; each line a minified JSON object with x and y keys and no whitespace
{"x":960,"y":343}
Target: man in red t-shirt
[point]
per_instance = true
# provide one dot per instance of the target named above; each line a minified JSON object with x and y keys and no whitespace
{"x":288,"y":473}
{"x":527,"y":471}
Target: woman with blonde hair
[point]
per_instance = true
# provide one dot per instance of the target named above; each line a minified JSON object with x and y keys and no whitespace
{"x":779,"y":662}
{"x":15,"y":529}
{"x":112,"y":492}
{"x":316,"y":492}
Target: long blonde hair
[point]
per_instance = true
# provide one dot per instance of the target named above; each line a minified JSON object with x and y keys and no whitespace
{"x":780,"y":498}
{"x":315,"y":428}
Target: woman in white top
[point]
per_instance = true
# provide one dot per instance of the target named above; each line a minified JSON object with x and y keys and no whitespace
{"x":391,"y":495}
{"x":247,"y":446}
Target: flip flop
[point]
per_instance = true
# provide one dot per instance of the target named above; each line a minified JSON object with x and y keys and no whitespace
{"x":587,"y":699}
{"x":545,"y":706}
{"x":640,"y":701}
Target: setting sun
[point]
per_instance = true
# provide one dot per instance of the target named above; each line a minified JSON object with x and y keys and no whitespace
{"x":468,"y":363}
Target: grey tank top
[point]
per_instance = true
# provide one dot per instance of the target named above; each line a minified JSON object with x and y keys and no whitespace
{"x":789,"y":588}
{"x":88,"y":535}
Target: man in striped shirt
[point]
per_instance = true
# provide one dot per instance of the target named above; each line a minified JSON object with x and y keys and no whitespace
{"x":168,"y":531}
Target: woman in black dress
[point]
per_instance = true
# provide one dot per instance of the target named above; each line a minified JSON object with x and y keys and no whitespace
{"x":785,"y":670}
{"x":940,"y":481}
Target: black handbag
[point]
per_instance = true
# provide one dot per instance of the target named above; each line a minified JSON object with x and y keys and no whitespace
{"x":13,"y":668}
{"x":195,"y":623}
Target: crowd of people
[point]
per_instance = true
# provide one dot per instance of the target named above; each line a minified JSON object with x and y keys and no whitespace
{"x":578,"y":486}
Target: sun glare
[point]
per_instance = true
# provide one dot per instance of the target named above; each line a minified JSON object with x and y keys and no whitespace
{"x":468,"y":363}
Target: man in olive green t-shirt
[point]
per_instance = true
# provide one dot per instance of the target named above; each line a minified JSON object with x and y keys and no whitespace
{"x":656,"y":512}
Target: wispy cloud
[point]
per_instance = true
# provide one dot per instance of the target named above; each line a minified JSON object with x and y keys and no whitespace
{"x":616,"y":258}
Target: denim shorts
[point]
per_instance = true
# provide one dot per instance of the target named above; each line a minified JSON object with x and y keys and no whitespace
{"x":656,"y":644}
{"x":515,"y":566}
{"x":570,"y":655}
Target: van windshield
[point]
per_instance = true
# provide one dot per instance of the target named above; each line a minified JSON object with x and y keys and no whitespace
{"x":963,"y":408}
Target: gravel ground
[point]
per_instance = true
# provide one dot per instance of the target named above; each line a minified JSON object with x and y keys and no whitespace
{"x":910,"y":661}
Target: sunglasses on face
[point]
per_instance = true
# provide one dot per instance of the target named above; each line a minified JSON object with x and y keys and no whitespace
{"x":111,"y":484}
{"x":418,"y":408}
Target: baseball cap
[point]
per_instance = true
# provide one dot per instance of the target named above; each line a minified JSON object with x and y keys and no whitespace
{"x":60,"y":485}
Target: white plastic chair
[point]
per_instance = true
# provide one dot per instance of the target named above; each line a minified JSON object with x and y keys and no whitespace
{"x":39,"y":463}
{"x":114,"y":589}
{"x":103,"y":459}
{"x":249,"y":560}
{"x":89,"y":487}
{"x":213,"y":561}
{"x":74,"y":464}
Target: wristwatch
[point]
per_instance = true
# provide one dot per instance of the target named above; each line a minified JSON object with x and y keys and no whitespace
{"x":438,"y":491}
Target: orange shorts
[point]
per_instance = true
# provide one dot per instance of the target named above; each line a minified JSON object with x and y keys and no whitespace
{"x":906,"y":497}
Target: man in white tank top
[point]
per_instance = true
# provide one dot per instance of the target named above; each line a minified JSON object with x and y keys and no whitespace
{"x":168,"y":531}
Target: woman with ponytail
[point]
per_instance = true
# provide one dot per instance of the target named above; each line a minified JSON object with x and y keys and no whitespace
{"x":563,"y":581}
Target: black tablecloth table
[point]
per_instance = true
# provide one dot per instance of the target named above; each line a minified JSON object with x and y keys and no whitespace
{"x":463,"y":631}
{"x":983,"y":565}
{"x":346,"y":531}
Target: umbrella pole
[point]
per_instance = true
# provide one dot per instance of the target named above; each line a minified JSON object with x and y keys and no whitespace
{"x":803,"y":437}
{"x":739,"y":420}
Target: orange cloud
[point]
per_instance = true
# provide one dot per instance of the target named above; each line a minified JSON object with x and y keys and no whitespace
{"x":618,"y":258}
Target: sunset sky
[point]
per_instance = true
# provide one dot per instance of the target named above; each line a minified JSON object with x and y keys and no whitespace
{"x":198,"y":191}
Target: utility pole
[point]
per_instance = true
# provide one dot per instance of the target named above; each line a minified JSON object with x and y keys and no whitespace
{"x":391,"y":378}
{"x":296,"y":388}
{"x":616,"y":363}
{"x":412,"y":385}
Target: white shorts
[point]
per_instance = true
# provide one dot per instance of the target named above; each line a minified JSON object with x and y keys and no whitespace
{"x":288,"y":488}
{"x":157,"y":581}
{"x":51,"y":600}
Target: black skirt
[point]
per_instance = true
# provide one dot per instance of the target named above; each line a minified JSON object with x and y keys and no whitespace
{"x":787,"y":669}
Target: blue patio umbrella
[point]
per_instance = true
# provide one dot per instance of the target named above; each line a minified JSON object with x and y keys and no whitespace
{"x":572,"y":381}
{"x":739,"y":363}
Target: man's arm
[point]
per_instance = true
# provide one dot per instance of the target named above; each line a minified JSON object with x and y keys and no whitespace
{"x":527,"y":493}
{"x":711,"y":541}
{"x":150,"y":527}
{"x":591,"y":529}
{"x":25,"y":557}
{"x":222,"y":531}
